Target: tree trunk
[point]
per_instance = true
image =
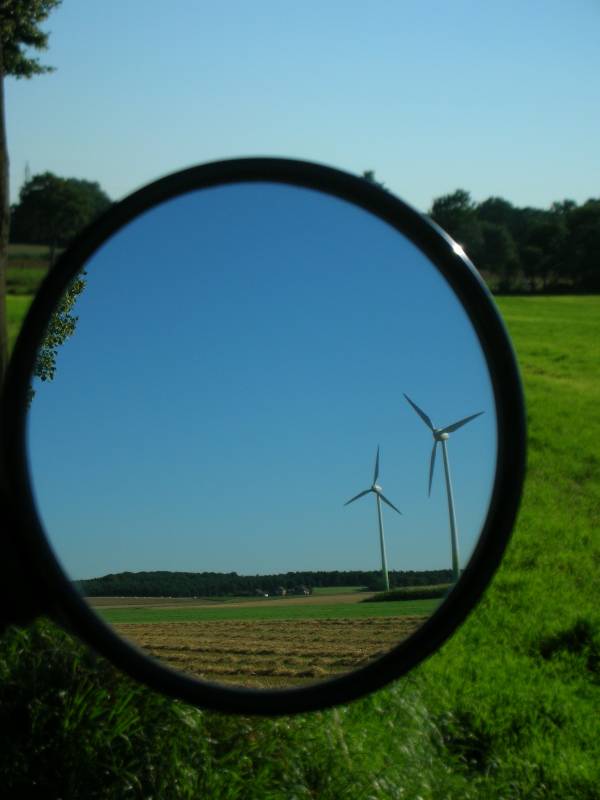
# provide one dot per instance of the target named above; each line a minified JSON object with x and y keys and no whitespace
{"x":4,"y":225}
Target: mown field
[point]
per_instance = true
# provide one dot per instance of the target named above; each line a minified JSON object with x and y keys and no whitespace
{"x":275,"y":653}
{"x":507,"y":709}
{"x":265,"y":642}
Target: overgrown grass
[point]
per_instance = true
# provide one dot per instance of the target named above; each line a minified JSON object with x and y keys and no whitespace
{"x":507,"y":709}
{"x":73,"y":727}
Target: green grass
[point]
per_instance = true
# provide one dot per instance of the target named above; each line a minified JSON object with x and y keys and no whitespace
{"x":16,"y":309}
{"x":507,"y":709}
{"x":27,"y":267}
{"x":516,"y":692}
{"x":21,"y":281}
{"x":269,"y":612}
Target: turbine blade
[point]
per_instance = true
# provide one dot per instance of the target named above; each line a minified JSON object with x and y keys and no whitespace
{"x":391,"y":505}
{"x":376,"y":473}
{"x":456,"y":425}
{"x":431,"y":466}
{"x":352,"y":499}
{"x":422,"y":414}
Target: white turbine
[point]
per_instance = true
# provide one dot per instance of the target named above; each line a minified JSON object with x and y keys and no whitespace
{"x":441,"y":435}
{"x":377,"y":491}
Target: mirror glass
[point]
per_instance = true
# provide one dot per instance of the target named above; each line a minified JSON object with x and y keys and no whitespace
{"x":245,"y":361}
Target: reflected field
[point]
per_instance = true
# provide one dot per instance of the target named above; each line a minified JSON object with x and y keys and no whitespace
{"x":261,"y":643}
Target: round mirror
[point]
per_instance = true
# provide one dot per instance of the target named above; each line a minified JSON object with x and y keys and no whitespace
{"x":270,"y":442}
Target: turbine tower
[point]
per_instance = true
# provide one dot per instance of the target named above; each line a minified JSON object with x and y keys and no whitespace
{"x":441,"y":436}
{"x":377,"y":491}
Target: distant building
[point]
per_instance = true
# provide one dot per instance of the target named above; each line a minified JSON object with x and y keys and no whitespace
{"x":303,"y":590}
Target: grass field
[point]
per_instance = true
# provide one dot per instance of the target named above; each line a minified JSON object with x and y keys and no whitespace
{"x":506,"y":710}
{"x":339,"y":607}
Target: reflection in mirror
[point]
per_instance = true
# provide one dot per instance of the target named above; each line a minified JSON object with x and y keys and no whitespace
{"x":233,"y":460}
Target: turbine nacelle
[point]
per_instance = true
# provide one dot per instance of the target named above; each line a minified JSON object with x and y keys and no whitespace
{"x":377,"y":489}
{"x":440,"y":435}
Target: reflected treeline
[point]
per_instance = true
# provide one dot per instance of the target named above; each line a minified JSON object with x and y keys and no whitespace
{"x":526,"y":249}
{"x":217,"y":584}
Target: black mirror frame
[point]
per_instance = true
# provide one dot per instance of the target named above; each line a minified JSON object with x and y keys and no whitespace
{"x":28,"y":542}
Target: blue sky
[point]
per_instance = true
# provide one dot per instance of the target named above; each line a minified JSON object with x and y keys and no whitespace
{"x":240,"y":354}
{"x":498,"y":98}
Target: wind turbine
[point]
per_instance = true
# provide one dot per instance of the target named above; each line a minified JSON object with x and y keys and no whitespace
{"x":441,"y":435}
{"x":377,"y":491}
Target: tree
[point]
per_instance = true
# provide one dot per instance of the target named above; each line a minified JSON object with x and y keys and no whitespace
{"x":456,"y":214}
{"x":498,"y":211}
{"x":19,"y":30}
{"x":547,"y":238}
{"x":51,"y":210}
{"x":369,"y":175}
{"x":61,"y":325}
{"x":499,"y":254}
{"x":583,"y":245}
{"x":563,"y":207}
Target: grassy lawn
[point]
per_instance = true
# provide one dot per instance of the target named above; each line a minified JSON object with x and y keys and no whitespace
{"x":16,"y":308}
{"x":24,"y":281}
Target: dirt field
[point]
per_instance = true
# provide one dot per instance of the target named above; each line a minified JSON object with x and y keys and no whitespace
{"x":269,"y":653}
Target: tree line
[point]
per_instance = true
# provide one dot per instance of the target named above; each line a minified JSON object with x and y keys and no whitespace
{"x":515,"y":249}
{"x":52,"y":210}
{"x":526,"y":249}
{"x":219,"y":584}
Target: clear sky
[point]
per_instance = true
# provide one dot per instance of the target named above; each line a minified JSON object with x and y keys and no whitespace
{"x":240,"y":354}
{"x":497,"y":98}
